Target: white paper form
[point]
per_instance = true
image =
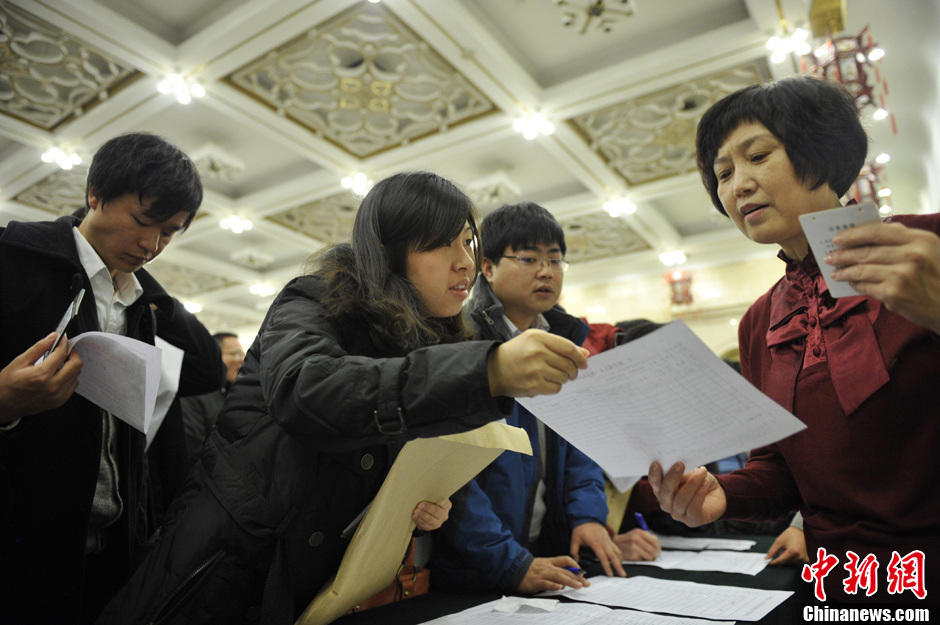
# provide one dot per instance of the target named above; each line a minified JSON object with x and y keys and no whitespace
{"x":709,"y":601}
{"x":564,"y":614}
{"x":665,"y":397}
{"x":747,"y":563}
{"x":119,"y":374}
{"x":688,"y":543}
{"x":171,"y":365}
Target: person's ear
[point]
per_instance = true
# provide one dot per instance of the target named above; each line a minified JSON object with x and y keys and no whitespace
{"x":487,"y":268}
{"x":92,"y":199}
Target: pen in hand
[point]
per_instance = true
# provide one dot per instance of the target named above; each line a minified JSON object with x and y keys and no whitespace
{"x":641,"y":521}
{"x":574,"y":570}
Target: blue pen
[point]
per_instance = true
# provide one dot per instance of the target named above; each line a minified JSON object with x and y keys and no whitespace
{"x":574,"y":570}
{"x":641,"y":521}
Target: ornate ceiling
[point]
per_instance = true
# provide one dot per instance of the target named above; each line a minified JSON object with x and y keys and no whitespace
{"x":302,"y":93}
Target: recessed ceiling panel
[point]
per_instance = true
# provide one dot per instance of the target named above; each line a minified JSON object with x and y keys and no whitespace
{"x":329,"y":220}
{"x":60,"y":193}
{"x":364,"y":81}
{"x":653,"y":136}
{"x":597,"y":235}
{"x":48,"y":77}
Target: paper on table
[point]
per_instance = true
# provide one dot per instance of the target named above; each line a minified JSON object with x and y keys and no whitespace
{"x":688,"y":543}
{"x":426,"y":469}
{"x":710,"y":601}
{"x":820,"y":227}
{"x":564,"y":614}
{"x":171,"y":365}
{"x":665,"y":397}
{"x":119,"y":374}
{"x":747,"y":563}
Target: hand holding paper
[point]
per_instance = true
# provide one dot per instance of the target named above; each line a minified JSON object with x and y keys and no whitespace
{"x":27,"y":388}
{"x":534,"y":363}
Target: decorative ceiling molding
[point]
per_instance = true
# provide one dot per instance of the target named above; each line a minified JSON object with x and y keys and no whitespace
{"x":329,"y":220}
{"x":653,"y":136}
{"x":187,"y":281}
{"x":61,"y":193}
{"x":216,"y":163}
{"x":493,"y":190}
{"x":48,"y":77}
{"x":598,"y":235}
{"x":364,"y":81}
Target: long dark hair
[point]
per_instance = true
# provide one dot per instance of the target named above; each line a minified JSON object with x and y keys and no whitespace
{"x":414,"y":211}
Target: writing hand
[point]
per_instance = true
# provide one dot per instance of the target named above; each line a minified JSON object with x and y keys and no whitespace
{"x":551,"y":574}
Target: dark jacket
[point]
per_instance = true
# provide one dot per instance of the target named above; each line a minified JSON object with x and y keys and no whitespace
{"x":306,"y":436}
{"x":199,"y":416}
{"x":485,"y":544}
{"x":49,"y":461}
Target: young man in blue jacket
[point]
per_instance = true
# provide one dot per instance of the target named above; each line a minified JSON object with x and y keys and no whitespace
{"x":512,"y":526}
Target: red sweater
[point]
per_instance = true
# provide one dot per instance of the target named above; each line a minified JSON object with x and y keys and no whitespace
{"x":866,"y":381}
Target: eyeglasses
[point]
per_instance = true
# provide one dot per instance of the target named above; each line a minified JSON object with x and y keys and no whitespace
{"x":533,"y":262}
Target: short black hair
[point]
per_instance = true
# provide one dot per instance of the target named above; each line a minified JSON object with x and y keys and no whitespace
{"x":221,"y":336}
{"x":151,"y":167}
{"x":816,"y":120}
{"x":520,"y":225}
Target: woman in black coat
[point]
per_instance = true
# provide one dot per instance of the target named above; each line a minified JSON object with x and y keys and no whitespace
{"x":363,"y":353}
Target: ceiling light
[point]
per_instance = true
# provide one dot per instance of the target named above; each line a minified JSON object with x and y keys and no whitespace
{"x":261,"y":290}
{"x":358,"y":183}
{"x":177,"y":85}
{"x":884,"y":192}
{"x":532,"y":126}
{"x":192,"y":307}
{"x":675,"y":257}
{"x":882,"y":158}
{"x":884,"y":210}
{"x":879,"y":114}
{"x":236,"y":224}
{"x":876,"y":54}
{"x":619,"y":206}
{"x":60,"y":158}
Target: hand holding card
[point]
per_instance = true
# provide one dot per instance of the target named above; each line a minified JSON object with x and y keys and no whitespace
{"x":822,"y":226}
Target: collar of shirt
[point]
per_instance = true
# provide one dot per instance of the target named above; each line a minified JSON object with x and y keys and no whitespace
{"x":539,"y":323}
{"x":123,"y":290}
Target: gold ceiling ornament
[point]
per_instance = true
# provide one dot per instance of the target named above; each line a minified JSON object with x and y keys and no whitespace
{"x":594,"y":14}
{"x":48,"y":77}
{"x":364,"y":81}
{"x":653,"y":136}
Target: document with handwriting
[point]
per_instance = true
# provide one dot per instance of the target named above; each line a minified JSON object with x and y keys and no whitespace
{"x":563,"y":614}
{"x":119,"y":374}
{"x":709,"y":601}
{"x":667,"y":397}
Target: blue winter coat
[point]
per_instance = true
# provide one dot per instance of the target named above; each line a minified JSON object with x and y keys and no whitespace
{"x":485,"y":542}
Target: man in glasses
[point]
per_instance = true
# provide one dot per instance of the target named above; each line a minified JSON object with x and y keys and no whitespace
{"x":512,"y":526}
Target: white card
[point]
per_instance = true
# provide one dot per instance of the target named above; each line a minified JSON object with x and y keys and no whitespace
{"x":822,"y":226}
